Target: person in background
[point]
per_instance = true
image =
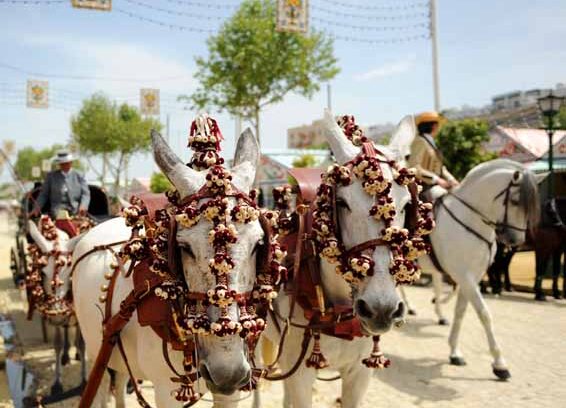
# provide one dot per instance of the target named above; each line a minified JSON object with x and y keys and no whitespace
{"x":427,"y":159}
{"x":65,"y":189}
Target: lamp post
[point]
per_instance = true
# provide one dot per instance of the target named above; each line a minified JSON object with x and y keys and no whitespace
{"x":549,"y":106}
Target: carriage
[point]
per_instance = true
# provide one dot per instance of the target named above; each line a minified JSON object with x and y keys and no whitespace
{"x":99,"y":210}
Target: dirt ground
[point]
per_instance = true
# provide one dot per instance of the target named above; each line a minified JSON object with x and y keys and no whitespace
{"x":531,"y":335}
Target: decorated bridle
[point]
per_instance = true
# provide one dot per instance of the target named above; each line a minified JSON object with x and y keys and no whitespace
{"x":158,"y":247}
{"x":48,"y":304}
{"x":406,"y":244}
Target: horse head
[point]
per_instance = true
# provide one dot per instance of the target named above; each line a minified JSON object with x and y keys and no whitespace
{"x":506,"y":193}
{"x":375,"y":298}
{"x":223,"y":359}
{"x":49,"y":279}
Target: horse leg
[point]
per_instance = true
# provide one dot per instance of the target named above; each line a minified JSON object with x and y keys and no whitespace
{"x":410,"y":309}
{"x":120,"y":382}
{"x":355,"y":381}
{"x":540,"y":269}
{"x":456,"y":357}
{"x":57,"y":387}
{"x":499,"y":366}
{"x":226,"y":401}
{"x":286,"y":395}
{"x":81,"y":354}
{"x":556,"y":255}
{"x":564,"y":273}
{"x":300,"y":387}
{"x":437,"y":285}
{"x":508,"y":286}
{"x":65,"y":359}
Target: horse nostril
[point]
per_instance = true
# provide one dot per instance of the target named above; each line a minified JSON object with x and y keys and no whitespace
{"x":399,"y":313}
{"x":363,"y":309}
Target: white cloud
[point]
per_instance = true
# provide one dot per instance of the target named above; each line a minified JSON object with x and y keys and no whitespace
{"x":387,"y":70}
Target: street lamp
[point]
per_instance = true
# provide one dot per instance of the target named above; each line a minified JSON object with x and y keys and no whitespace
{"x":549,"y":106}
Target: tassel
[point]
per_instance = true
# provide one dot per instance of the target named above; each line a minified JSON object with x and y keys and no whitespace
{"x":186,"y":392}
{"x":255,"y":378}
{"x":376,"y":358}
{"x":317,"y":359}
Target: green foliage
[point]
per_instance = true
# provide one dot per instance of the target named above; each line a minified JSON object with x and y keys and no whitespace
{"x":460,"y":141}
{"x":115,"y":132}
{"x":251,"y":65}
{"x":28,"y":157}
{"x":306,"y":160}
{"x":561,"y":118}
{"x":159,"y":183}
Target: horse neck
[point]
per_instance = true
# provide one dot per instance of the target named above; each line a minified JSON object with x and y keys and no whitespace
{"x":336,"y":290}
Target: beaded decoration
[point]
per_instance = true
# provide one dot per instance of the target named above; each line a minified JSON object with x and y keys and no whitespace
{"x":188,"y":308}
{"x":48,"y":304}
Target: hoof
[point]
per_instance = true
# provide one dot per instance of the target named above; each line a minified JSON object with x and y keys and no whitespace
{"x":412,"y":312}
{"x":56,"y":388}
{"x":130,"y":387}
{"x":557,"y":295}
{"x":540,"y":297}
{"x":457,"y":361}
{"x":65,"y":359}
{"x":77,"y":357}
{"x":443,"y":322}
{"x":502,"y":373}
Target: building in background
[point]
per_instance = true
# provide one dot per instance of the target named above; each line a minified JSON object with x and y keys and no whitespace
{"x":306,"y":136}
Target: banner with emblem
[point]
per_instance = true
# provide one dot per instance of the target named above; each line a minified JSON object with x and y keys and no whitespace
{"x":149,"y":101}
{"x":104,"y":5}
{"x":37,"y":94}
{"x":292,"y":16}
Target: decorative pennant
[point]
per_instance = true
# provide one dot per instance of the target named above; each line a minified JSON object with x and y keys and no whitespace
{"x":103,"y":5}
{"x":149,"y":101}
{"x":38,"y":94}
{"x":36,"y":172}
{"x":292,"y":16}
{"x":46,"y":165}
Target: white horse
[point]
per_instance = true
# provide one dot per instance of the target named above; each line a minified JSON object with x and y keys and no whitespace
{"x":58,"y":313}
{"x":498,"y":200}
{"x":376,"y":302}
{"x":223,"y":361}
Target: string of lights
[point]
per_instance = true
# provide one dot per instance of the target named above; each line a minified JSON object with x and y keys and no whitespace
{"x":163,"y":23}
{"x":358,"y":6}
{"x":32,"y":2}
{"x":398,"y":40}
{"x":333,"y":12}
{"x":218,"y":6}
{"x":175,"y":12}
{"x":88,"y":77}
{"x":369,"y":28}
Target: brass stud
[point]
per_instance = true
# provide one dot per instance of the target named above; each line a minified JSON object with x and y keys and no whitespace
{"x":108,"y":275}
{"x":102,"y":298}
{"x":104,"y":287}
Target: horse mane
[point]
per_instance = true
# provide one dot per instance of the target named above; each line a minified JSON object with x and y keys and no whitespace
{"x":528,"y":187}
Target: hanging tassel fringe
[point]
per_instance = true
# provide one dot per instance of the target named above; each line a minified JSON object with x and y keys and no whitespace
{"x":376,"y":358}
{"x":317,"y":359}
{"x":186,"y":392}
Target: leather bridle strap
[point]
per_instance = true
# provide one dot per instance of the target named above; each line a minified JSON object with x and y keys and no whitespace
{"x":371,"y":244}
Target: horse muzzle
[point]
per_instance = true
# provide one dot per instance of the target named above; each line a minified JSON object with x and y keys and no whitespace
{"x":378,"y":319}
{"x":224,"y":381}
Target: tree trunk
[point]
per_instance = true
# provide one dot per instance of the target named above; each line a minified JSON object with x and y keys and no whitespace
{"x":256,"y":125}
{"x":118,"y":174}
{"x":104,"y":163}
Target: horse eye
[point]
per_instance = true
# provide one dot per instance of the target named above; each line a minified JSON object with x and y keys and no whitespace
{"x":186,"y":248}
{"x":340,"y":202}
{"x":258,"y":245}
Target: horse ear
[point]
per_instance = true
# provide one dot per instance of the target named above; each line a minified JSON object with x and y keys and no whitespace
{"x":185,"y":179}
{"x":39,"y":239}
{"x":246,"y":159}
{"x":342,"y":148}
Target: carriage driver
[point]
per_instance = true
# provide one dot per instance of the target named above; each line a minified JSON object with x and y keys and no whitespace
{"x":427,"y":159}
{"x":65,"y":189}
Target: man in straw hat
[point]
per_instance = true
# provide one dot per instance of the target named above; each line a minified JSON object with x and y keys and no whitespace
{"x":427,"y":159}
{"x":65,"y":189}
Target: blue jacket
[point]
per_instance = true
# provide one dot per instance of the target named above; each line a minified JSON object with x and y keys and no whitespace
{"x":67,"y":192}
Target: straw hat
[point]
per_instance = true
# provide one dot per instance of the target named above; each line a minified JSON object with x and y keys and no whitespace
{"x":63,"y":156}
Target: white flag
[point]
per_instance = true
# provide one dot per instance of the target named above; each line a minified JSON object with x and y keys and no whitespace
{"x":293,"y":16}
{"x":104,"y":5}
{"x":38,"y":94}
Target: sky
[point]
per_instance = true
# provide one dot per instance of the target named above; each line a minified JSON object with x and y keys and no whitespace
{"x":486,"y":47}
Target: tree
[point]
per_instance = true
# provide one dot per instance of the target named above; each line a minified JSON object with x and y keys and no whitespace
{"x":251,"y":65}
{"x":306,"y":160}
{"x":159,"y":183}
{"x":460,"y":141}
{"x":101,"y":128}
{"x":28,"y":157}
{"x":561,"y":119}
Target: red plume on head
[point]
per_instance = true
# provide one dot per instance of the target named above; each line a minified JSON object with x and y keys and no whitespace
{"x":204,"y":140}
